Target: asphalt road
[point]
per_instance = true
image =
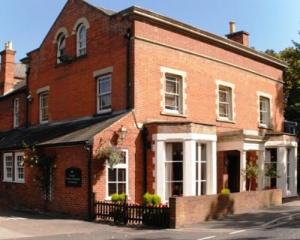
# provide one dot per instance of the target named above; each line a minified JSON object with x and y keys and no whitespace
{"x":276,"y":223}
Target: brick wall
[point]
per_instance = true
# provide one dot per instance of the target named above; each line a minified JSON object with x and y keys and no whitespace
{"x":6,"y":110}
{"x":202,"y":74}
{"x":215,"y":206}
{"x":66,"y":200}
{"x":73,"y":86}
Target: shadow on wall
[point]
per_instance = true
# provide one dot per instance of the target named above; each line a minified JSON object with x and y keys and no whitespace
{"x":220,"y":208}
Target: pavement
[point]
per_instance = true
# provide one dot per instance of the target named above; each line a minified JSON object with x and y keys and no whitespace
{"x":281,"y":222}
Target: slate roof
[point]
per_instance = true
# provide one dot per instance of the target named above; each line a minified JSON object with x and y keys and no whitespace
{"x":64,"y":133}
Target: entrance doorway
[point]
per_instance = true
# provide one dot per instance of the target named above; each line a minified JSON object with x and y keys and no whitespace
{"x":229,"y":170}
{"x":233,"y":168}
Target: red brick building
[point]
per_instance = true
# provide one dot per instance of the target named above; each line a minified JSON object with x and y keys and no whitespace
{"x":188,"y":109}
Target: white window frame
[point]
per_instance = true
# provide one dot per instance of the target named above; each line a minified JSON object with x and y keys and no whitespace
{"x":59,"y":46}
{"x":99,"y":95}
{"x":181,"y":75}
{"x":41,"y":108}
{"x":231,"y":117}
{"x":200,"y":160}
{"x":16,"y":121}
{"x":5,"y":178}
{"x":17,"y":179}
{"x":177,"y":79}
{"x":268,"y":161}
{"x":121,"y":166}
{"x":165,"y":181}
{"x":81,"y":44}
{"x":268,"y":96}
{"x":289,"y":178}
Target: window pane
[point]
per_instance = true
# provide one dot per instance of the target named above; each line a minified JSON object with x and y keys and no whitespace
{"x":105,"y":101}
{"x":112,"y":188}
{"x":123,"y":159}
{"x":171,"y":86}
{"x":203,"y":188}
{"x":121,"y":175}
{"x":121,"y":188}
{"x":104,"y":85}
{"x":203,"y":171}
{"x":112,"y":175}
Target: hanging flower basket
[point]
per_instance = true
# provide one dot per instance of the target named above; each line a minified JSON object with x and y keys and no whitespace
{"x":109,"y":155}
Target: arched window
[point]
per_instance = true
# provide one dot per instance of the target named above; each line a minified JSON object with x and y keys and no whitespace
{"x":61,"y":47}
{"x":81,"y":40}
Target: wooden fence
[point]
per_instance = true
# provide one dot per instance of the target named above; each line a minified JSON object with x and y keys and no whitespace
{"x":133,"y":214}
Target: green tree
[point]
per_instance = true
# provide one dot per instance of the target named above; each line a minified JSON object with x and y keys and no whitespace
{"x":291,"y":56}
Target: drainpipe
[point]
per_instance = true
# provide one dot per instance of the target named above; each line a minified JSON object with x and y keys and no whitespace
{"x":128,"y":36}
{"x":28,"y":99}
{"x":145,"y":160}
{"x":89,"y":148}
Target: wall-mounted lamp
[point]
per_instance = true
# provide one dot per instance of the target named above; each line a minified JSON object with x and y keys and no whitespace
{"x":122,"y":133}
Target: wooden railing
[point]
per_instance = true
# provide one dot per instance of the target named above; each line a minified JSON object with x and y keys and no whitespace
{"x":127,"y":213}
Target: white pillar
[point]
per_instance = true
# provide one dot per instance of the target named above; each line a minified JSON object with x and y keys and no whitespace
{"x":242,"y":168}
{"x":295,"y":173}
{"x":212,"y":168}
{"x":160,"y":157}
{"x":261,"y":167}
{"x":189,"y":166}
{"x":281,"y":169}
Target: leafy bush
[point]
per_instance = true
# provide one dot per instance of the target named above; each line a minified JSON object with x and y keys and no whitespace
{"x":151,"y":199}
{"x":118,"y":198}
{"x":225,"y":191}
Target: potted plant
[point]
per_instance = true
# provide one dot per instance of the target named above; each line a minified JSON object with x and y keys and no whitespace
{"x":271,"y":172}
{"x":251,"y":173}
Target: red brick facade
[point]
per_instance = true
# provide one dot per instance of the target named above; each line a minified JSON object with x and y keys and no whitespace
{"x":72,"y":90}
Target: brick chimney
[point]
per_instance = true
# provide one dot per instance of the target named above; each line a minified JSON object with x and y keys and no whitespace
{"x":7,"y":70}
{"x":241,"y":37}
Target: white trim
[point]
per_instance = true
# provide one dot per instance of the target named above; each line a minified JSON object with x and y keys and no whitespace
{"x":103,"y":71}
{"x":17,"y":179}
{"x":78,"y":41}
{"x":233,"y":106}
{"x":126,"y":166}
{"x":269,"y":96}
{"x":43,"y":89}
{"x":16,"y":114}
{"x":79,"y":21}
{"x":5,"y":178}
{"x":281,"y":144}
{"x":184,"y":136}
{"x":173,"y":71}
{"x":40,"y":107}
{"x":59,"y":31}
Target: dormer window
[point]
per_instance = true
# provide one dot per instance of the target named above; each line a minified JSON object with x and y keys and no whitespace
{"x":61,"y":47}
{"x":81,"y":40}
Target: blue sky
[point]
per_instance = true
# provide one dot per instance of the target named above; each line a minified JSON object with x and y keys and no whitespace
{"x":272,"y":24}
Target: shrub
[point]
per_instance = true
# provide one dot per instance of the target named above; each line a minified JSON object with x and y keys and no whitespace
{"x":118,"y":198}
{"x":225,"y":191}
{"x":151,"y":199}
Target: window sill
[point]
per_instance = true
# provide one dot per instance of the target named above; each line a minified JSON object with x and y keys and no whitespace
{"x":106,"y":111}
{"x":173,"y":114}
{"x":14,"y":182}
{"x":226,"y":120}
{"x":265,"y":127}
